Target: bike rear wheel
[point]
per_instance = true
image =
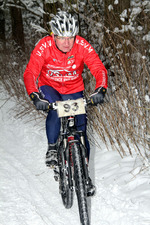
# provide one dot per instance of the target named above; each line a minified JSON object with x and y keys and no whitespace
{"x":66,"y":190}
{"x":80,"y":184}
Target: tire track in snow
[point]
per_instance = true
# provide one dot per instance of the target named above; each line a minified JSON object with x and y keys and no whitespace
{"x":28,"y":200}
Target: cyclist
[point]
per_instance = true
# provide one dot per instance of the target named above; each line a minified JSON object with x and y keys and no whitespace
{"x":56,"y":64}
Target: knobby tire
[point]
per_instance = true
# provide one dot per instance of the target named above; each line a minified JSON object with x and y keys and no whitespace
{"x":80,"y":184}
{"x":65,"y":191}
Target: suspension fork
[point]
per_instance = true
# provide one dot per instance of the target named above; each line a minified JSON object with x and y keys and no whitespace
{"x":84,"y":155}
{"x":68,"y":161}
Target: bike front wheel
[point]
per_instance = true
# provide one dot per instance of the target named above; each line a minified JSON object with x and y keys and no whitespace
{"x":66,"y":189}
{"x":80,"y":184}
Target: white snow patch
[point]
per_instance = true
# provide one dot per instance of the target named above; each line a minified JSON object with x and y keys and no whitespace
{"x":30,"y":196}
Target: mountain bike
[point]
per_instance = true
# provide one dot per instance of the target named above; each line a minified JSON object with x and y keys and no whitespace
{"x":72,"y":170}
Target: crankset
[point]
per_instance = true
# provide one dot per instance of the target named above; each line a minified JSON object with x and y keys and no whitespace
{"x":56,"y":173}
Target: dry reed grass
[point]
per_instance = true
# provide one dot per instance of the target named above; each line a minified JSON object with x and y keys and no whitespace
{"x":122,"y":122}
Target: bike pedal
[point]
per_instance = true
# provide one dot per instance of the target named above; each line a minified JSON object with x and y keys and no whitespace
{"x":56,"y":178}
{"x":56,"y":174}
{"x":91,"y":191}
{"x":52,"y":167}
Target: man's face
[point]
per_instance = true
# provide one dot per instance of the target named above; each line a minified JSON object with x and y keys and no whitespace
{"x":64,"y":44}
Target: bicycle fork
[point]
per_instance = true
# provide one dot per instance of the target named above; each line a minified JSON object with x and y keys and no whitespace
{"x":68,"y":161}
{"x":83,"y":153}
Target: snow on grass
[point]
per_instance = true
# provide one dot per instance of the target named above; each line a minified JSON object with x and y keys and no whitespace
{"x":30,"y":196}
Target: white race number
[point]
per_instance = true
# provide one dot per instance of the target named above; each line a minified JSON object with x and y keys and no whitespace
{"x":70,"y":107}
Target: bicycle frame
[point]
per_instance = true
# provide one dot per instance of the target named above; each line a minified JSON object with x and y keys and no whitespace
{"x":73,"y":165}
{"x":69,"y":134}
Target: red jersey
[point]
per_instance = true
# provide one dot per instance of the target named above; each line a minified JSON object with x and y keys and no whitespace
{"x":63,"y":71}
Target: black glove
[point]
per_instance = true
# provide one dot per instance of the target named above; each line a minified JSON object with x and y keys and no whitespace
{"x":98,"y":96}
{"x":39,"y":102}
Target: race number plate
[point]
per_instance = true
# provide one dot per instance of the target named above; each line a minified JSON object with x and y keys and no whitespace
{"x":70,"y":107}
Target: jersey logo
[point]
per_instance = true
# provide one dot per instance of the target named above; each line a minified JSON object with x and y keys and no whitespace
{"x":70,"y":57}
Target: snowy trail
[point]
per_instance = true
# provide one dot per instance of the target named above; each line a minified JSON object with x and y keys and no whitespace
{"x":30,"y":196}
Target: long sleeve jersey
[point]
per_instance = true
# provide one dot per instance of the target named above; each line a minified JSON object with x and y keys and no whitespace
{"x":63,"y":71}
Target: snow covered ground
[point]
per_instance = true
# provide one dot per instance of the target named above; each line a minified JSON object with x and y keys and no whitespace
{"x":30,"y":196}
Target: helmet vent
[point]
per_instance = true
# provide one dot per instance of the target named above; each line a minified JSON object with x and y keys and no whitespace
{"x":64,"y":24}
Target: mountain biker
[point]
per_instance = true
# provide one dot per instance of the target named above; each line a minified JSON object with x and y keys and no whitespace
{"x":56,"y":64}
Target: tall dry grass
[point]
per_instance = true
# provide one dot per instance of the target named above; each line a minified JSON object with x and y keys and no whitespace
{"x":122,"y":122}
{"x":13,"y":62}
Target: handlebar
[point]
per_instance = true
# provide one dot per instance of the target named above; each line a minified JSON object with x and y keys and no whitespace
{"x":53,"y":105}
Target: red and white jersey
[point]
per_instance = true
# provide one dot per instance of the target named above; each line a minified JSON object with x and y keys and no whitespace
{"x":63,"y":71}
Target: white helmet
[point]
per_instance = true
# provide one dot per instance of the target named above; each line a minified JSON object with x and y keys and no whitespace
{"x":64,"y":24}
